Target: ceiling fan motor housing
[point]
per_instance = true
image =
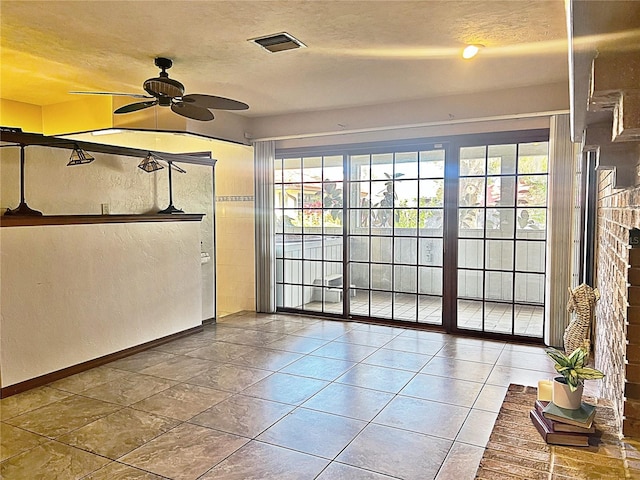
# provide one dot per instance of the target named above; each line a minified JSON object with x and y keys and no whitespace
{"x":163,"y":86}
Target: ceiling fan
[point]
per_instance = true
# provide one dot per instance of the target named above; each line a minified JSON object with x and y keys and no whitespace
{"x":166,"y":92}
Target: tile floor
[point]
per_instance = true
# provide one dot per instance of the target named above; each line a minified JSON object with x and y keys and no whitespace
{"x":272,"y":397}
{"x":528,"y":320}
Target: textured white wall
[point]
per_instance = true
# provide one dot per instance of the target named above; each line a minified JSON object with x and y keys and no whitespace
{"x":76,"y":292}
{"x":55,"y":189}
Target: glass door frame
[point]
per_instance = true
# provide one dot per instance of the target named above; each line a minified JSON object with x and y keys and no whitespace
{"x":451,"y":234}
{"x":451,"y":145}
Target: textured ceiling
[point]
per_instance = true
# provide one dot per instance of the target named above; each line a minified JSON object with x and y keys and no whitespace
{"x":359,"y":53}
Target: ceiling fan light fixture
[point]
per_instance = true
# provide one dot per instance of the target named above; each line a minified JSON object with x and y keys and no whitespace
{"x":278,"y":42}
{"x":167,"y":92}
{"x":79,"y":157}
{"x":471,"y":50}
{"x":150,"y":164}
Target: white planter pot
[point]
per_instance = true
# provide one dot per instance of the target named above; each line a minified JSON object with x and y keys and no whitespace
{"x":563,"y":397}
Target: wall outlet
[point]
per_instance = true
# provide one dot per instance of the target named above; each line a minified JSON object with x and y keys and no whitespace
{"x":105,"y":208}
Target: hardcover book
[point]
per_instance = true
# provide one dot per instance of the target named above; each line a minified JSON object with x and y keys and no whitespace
{"x":582,"y":417}
{"x":557,"y":438}
{"x":559,"y":426}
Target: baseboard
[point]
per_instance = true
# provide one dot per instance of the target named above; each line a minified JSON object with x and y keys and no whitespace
{"x":209,"y":321}
{"x":89,"y":364}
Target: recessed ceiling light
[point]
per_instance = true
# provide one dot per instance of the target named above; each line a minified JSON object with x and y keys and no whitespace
{"x":471,"y":51}
{"x":278,"y":42}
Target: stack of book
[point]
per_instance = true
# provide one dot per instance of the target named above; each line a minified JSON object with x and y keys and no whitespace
{"x":560,"y":426}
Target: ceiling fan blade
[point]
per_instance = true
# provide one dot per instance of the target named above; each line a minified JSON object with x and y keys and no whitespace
{"x":115,"y":94}
{"x":192,"y":111}
{"x":211,"y":101}
{"x":134,"y":107}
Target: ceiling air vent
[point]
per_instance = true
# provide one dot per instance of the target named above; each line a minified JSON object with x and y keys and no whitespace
{"x":278,"y":42}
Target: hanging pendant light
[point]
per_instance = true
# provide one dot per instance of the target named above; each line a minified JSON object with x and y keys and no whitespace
{"x":79,"y":157}
{"x":150,"y":164}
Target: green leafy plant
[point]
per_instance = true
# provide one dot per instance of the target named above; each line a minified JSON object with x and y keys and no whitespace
{"x":572,"y":367}
{"x":333,"y":201}
{"x":383,"y":217}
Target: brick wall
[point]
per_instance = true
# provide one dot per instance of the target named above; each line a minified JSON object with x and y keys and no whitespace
{"x":618,"y":212}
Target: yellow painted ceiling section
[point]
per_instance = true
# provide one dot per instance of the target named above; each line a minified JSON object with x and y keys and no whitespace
{"x":21,"y":115}
{"x":86,"y":113}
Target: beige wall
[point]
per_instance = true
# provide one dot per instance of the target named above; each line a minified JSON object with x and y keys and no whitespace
{"x":437,"y":116}
{"x":234,"y":281}
{"x":74,"y":293}
{"x":235,"y":251}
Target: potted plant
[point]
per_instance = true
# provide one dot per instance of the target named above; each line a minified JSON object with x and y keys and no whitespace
{"x":567,"y":389}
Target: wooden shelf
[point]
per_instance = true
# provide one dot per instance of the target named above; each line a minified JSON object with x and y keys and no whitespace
{"x":29,"y":221}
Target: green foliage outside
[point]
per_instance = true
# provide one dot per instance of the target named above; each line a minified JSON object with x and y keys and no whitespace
{"x":531,"y":192}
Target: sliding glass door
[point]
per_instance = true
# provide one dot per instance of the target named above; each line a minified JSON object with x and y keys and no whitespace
{"x":396,"y":211}
{"x":502,"y":231}
{"x":450,"y":234}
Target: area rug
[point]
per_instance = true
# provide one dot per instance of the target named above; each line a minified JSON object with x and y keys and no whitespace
{"x":517,"y":451}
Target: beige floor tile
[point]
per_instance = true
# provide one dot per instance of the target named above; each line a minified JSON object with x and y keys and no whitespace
{"x":222,"y":352}
{"x":397,"y":453}
{"x":365,"y":337}
{"x":472,"y":353}
{"x":29,"y":400}
{"x":318,"y":367}
{"x":442,"y":389}
{"x":476,"y":342}
{"x":51,"y":460}
{"x":14,"y":440}
{"x":425,"y":335}
{"x":140,"y":361}
{"x":185,"y":345}
{"x":89,"y":379}
{"x":231,"y":378}
{"x":282,"y":326}
{"x":256,"y":338}
{"x":422,"y":416}
{"x":267,"y":359}
{"x":284,"y":388}
{"x":456,"y":368}
{"x":325,"y":330}
{"x":477,"y":428}
{"x":181,"y":401}
{"x":490,"y":398}
{"x":63,"y":416}
{"x":503,"y":376}
{"x":349,"y":401}
{"x":396,"y":359}
{"x":184,"y":453}
{"x":313,"y":432}
{"x":376,"y":378}
{"x":340,"y":471}
{"x":285,"y":368}
{"x":297,"y":344}
{"x":218,"y":331}
{"x":527,"y":360}
{"x":461,"y":462}
{"x":242,"y":415}
{"x":260,"y":461}
{"x":119,"y":433}
{"x":119,"y":471}
{"x":344,"y":351}
{"x":179,"y":368}
{"x":414,"y":345}
{"x":130,"y":389}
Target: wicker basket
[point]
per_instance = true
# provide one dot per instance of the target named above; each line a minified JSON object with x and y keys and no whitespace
{"x":582,"y":301}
